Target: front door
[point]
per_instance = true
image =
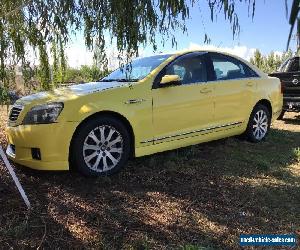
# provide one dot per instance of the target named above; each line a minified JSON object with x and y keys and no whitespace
{"x":184,"y":109}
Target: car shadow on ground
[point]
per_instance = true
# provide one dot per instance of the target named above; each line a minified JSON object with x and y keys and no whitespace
{"x":294,"y":121}
{"x":205,"y":195}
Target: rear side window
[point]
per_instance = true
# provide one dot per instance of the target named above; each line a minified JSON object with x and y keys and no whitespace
{"x":229,"y":68}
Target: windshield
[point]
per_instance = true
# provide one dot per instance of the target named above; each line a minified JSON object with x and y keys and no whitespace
{"x":283,"y":67}
{"x":137,"y":70}
{"x":290,"y":65}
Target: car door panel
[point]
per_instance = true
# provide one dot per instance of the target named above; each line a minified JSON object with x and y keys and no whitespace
{"x":183,"y":110}
{"x":233,"y":99}
{"x":234,"y":90}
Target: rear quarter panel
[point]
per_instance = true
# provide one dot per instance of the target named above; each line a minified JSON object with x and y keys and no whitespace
{"x":269,"y":88}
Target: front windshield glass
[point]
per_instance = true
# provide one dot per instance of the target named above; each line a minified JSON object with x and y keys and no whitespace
{"x":137,"y":70}
{"x":283,"y":67}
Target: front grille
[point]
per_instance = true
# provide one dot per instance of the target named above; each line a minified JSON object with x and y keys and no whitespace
{"x":15,"y":112}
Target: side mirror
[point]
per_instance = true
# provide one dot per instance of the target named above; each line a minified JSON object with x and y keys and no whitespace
{"x":170,"y":79}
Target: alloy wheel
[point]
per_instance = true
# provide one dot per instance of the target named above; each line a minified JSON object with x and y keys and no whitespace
{"x":103,"y":148}
{"x":260,"y":124}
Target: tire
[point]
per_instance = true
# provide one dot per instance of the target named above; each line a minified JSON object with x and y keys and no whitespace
{"x":101,"y":147}
{"x":259,"y":124}
{"x":280,"y":117}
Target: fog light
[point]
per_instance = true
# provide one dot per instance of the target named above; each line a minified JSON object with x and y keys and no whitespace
{"x":36,"y":154}
{"x":13,"y":148}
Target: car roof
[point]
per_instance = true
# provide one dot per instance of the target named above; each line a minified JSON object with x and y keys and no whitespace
{"x":183,"y":52}
{"x":206,"y":51}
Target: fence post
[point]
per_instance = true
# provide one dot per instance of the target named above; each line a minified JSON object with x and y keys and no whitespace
{"x":15,"y":178}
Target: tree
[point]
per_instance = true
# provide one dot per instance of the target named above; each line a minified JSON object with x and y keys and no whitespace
{"x":258,"y":59}
{"x":59,"y":65}
{"x":85,"y":74}
{"x":271,"y":62}
{"x":44,"y":73}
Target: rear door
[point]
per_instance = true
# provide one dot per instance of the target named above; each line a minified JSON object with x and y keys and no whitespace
{"x":234,"y":84}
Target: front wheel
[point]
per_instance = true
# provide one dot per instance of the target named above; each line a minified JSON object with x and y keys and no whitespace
{"x":259,"y":124}
{"x":101,"y":147}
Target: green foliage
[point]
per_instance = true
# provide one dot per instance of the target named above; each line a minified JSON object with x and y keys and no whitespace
{"x":55,"y":66}
{"x":8,"y":75}
{"x":269,"y":63}
{"x":4,"y":95}
{"x":257,"y":59}
{"x":59,"y":66}
{"x":85,"y":74}
{"x":28,"y":73}
{"x":44,"y":74}
{"x":297,"y":153}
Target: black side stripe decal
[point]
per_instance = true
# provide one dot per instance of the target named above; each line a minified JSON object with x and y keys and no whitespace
{"x":191,"y":132}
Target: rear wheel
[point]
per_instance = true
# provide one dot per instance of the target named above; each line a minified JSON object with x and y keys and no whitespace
{"x":101,"y":147}
{"x":259,"y":123}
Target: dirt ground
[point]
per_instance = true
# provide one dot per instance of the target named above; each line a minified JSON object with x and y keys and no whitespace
{"x":200,"y":197}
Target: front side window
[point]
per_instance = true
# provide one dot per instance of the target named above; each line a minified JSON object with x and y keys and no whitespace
{"x":137,"y":70}
{"x":190,"y":69}
{"x":228,"y":68}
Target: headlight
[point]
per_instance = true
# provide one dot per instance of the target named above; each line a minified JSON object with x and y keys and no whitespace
{"x":43,"y":114}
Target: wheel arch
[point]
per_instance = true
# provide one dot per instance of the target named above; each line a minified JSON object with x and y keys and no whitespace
{"x":113,"y":114}
{"x":264,"y":102}
{"x":249,"y":135}
{"x":267,"y":104}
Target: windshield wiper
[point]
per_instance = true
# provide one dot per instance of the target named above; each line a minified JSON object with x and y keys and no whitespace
{"x":106,"y":80}
{"x":119,"y":80}
{"x":127,"y":80}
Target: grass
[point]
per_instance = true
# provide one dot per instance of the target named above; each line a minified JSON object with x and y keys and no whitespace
{"x":200,"y":197}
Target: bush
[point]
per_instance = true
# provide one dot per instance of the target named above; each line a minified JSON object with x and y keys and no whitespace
{"x":84,"y":74}
{"x":4,"y":97}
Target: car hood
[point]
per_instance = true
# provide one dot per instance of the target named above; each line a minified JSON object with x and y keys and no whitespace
{"x":71,"y":92}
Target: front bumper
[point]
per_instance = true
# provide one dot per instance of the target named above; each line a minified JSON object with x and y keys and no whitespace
{"x":52,"y":140}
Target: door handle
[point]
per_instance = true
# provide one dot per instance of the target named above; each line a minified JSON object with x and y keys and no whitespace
{"x":133,"y":101}
{"x":250,"y":84}
{"x":205,"y":91}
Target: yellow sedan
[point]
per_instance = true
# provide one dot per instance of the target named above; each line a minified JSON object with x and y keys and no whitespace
{"x":154,"y":104}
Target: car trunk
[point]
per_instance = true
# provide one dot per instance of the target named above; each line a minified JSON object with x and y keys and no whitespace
{"x":291,"y":84}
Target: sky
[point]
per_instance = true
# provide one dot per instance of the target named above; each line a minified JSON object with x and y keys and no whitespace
{"x":267,"y":31}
